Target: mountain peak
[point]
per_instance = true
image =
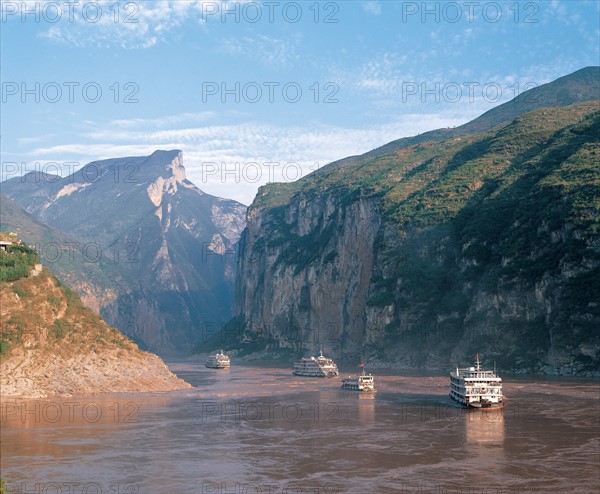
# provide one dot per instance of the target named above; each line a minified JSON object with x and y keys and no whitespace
{"x":176,"y":166}
{"x":172,"y":163}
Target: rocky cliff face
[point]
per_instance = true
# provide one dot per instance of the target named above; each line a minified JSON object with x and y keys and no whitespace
{"x":144,"y":234}
{"x":309,"y":290}
{"x":487,"y":243}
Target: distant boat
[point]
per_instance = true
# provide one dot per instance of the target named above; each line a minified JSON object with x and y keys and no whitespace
{"x":316,"y":367}
{"x":218,"y":361}
{"x":476,"y":388}
{"x":362,"y":382}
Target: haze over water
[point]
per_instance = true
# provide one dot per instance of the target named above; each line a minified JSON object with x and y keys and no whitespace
{"x":256,"y":429}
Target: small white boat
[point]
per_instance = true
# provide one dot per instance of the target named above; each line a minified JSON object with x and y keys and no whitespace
{"x":476,"y":388}
{"x":362,"y":382}
{"x":218,"y":361}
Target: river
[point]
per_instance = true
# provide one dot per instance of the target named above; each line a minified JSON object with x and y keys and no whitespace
{"x":254,"y":429}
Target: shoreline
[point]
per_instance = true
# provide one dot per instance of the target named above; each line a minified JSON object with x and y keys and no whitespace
{"x":267,"y":359}
{"x":37,"y":374}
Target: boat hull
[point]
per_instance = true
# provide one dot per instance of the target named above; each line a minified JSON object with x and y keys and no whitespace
{"x":312,"y":374}
{"x":485,"y":407}
{"x":217,"y":366}
{"x":358,"y":390}
{"x":479,"y":405}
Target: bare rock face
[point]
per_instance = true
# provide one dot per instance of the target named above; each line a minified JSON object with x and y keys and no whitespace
{"x":149,"y":249}
{"x":311,"y":296}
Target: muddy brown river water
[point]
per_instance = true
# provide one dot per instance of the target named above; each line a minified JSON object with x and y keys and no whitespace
{"x":255,"y":429}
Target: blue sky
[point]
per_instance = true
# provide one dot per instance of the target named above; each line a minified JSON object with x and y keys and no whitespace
{"x":266,"y":91}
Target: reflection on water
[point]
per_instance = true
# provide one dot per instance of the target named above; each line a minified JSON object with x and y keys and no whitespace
{"x":366,"y":408}
{"x":101,"y":410}
{"x":484,"y":428}
{"x":251,"y":429}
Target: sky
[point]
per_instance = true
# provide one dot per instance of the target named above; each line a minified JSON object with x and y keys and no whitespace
{"x":265,"y":91}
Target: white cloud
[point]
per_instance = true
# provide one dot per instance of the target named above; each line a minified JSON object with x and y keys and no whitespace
{"x":35,"y":139}
{"x":166,"y":121}
{"x":106,"y":23}
{"x":146,"y":23}
{"x":391,"y":84}
{"x":266,"y":50}
{"x":223,"y":159}
{"x":383,"y":73}
{"x":372,"y":7}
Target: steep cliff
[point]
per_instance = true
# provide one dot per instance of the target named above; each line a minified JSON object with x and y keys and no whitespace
{"x":423,"y":254}
{"x":149,"y":249}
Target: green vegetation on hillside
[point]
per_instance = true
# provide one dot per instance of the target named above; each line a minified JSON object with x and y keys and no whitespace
{"x":16,"y":262}
{"x":39,"y":311}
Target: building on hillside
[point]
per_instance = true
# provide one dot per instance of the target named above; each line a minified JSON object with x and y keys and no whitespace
{"x":5,"y":245}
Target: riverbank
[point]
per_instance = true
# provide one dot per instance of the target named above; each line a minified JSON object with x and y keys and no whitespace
{"x":37,"y":374}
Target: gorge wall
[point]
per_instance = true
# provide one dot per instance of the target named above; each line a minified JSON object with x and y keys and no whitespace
{"x":487,"y":243}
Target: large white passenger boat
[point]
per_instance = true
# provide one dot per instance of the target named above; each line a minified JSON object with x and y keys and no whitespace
{"x":476,"y":388}
{"x":218,"y":361}
{"x":363,"y":382}
{"x":316,"y":367}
